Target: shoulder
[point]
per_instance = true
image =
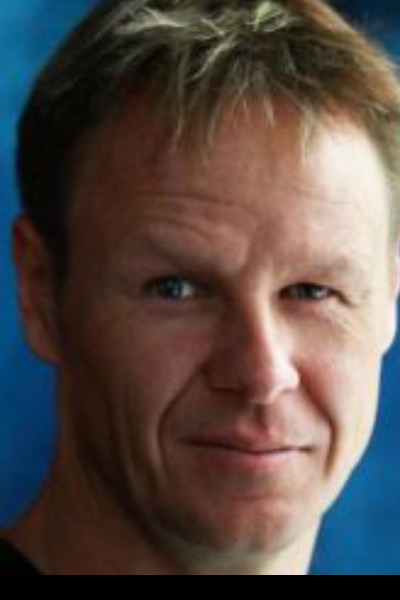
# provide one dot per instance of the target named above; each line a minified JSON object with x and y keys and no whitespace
{"x":12,"y":562}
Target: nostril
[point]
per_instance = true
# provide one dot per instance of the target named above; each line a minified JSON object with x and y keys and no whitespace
{"x":254,"y":356}
{"x":259,"y":379}
{"x":274,"y":385}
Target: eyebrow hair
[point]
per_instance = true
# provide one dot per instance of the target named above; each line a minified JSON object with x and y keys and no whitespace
{"x":179,"y":250}
{"x":341,"y":267}
{"x":178,"y":246}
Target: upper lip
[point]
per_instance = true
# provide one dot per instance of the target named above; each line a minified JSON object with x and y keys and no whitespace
{"x":252,"y":444}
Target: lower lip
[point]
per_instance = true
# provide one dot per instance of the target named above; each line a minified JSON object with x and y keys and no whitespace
{"x":247,"y":461}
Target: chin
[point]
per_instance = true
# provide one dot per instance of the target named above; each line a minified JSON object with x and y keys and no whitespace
{"x":241,"y":533}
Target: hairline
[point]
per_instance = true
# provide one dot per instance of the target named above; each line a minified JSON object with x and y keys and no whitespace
{"x":204,"y":138}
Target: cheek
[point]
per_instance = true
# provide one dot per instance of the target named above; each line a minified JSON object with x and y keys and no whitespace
{"x":140,"y":369}
{"x":344,"y":383}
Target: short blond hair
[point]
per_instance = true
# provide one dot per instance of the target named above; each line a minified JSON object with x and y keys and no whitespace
{"x":197,"y":57}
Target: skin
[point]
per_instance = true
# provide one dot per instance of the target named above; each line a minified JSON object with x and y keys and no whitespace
{"x":150,"y":373}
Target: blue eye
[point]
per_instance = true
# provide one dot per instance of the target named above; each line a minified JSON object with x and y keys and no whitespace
{"x":310,"y":292}
{"x":179,"y":289}
{"x":172,"y":289}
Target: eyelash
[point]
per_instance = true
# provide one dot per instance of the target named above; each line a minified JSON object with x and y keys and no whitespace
{"x":316,"y":288}
{"x":154,"y":288}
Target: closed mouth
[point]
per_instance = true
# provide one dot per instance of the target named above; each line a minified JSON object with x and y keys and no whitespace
{"x":242,"y":449}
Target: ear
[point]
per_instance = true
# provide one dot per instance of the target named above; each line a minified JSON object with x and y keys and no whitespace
{"x":394,"y":297}
{"x":397,"y":277}
{"x":36,"y":290}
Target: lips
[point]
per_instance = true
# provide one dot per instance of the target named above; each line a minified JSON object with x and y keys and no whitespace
{"x":248,"y":444}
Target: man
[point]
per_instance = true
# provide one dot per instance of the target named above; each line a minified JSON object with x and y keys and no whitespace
{"x":208,"y":256}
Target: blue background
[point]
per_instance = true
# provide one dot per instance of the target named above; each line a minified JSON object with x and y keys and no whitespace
{"x":362,"y":533}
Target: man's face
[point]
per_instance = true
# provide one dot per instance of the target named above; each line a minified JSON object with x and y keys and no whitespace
{"x":221,"y":329}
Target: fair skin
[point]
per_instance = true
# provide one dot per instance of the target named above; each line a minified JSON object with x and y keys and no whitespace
{"x":210,"y":419}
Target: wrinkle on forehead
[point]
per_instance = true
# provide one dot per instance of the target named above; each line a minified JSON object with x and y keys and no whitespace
{"x":144,"y":142}
{"x":253,"y":180}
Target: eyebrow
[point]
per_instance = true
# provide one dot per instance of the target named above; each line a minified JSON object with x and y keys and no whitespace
{"x":179,"y":251}
{"x":342,"y":266}
{"x":338,"y":267}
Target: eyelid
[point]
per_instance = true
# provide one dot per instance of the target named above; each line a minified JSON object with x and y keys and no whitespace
{"x":206,"y":290}
{"x":330,"y":292}
{"x":150,"y":286}
{"x":196,"y":282}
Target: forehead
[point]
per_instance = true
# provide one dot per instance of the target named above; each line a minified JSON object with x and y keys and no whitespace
{"x":253,"y":174}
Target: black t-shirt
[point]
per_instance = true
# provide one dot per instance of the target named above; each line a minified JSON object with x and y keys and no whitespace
{"x":13,"y":563}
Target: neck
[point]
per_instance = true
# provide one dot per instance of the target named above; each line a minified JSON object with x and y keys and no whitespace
{"x":77,"y":528}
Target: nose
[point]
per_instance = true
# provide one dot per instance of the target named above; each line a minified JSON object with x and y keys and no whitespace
{"x":254,"y":358}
